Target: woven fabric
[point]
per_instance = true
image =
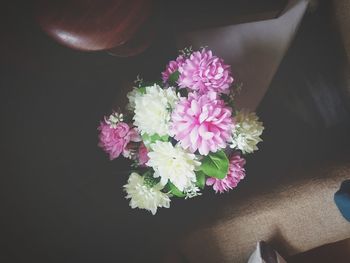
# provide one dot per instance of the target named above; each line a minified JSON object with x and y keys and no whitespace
{"x":293,"y":218}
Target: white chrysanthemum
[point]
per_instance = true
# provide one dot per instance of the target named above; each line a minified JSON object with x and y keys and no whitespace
{"x":143,"y":196}
{"x":173,"y":163}
{"x":153,"y":109}
{"x":131,"y":97}
{"x":247,"y":131}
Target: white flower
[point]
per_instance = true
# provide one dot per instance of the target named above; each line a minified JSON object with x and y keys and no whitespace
{"x":114,"y":119}
{"x":247,"y":131}
{"x":131,"y":97}
{"x":173,"y":163}
{"x":192,"y":191}
{"x":153,"y":110}
{"x":143,"y":196}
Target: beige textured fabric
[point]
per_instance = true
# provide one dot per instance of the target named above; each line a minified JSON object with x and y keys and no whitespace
{"x":294,"y":218}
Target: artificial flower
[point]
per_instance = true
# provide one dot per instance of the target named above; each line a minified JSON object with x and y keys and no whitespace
{"x":153,"y":109}
{"x":114,"y":119}
{"x":204,"y":72}
{"x":236,"y":173}
{"x":131,"y":98}
{"x":192,"y":191}
{"x":247,"y":131}
{"x":202,"y":122}
{"x":144,"y":196}
{"x":181,"y":132}
{"x":172,"y":67}
{"x":173,"y":163}
{"x":143,"y":154}
{"x":113,"y":139}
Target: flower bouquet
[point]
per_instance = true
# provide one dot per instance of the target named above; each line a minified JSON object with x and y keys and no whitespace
{"x":183,"y":133}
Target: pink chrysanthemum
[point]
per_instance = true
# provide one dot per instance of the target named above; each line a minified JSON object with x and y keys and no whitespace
{"x":204,"y":72}
{"x":236,"y":173}
{"x":114,"y":139}
{"x":172,"y":67}
{"x":202,"y":122}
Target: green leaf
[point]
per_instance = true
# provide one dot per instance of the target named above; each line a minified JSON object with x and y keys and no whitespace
{"x":159,"y":83}
{"x":149,"y":180}
{"x":149,"y":139}
{"x":200,"y":179}
{"x":174,"y":77}
{"x":142,"y":90}
{"x":174,"y":190}
{"x":215,"y":165}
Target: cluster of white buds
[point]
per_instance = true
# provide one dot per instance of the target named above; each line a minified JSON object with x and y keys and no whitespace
{"x":138,"y":81}
{"x":192,"y":191}
{"x":114,"y":119}
{"x":186,"y":52}
{"x":131,"y":151}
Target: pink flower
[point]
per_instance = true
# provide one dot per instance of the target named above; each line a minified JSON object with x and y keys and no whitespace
{"x":204,"y":72}
{"x":202,"y":123}
{"x":172,"y":67}
{"x":235,"y":174}
{"x":143,"y":154}
{"x":114,"y":140}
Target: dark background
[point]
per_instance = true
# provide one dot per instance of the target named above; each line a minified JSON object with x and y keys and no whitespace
{"x":62,"y":199}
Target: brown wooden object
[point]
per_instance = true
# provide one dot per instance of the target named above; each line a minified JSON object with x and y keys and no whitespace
{"x":93,"y":25}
